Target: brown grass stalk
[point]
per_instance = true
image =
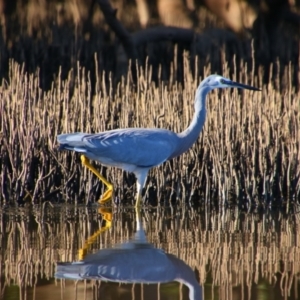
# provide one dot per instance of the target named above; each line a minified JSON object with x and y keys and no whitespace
{"x":248,"y":151}
{"x":231,"y":251}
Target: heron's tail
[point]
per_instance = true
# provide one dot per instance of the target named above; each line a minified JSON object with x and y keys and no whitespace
{"x":69,"y":270}
{"x":71,"y":141}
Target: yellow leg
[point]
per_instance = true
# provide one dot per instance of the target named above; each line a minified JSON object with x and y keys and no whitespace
{"x":110,"y":188}
{"x":107,"y":216}
{"x":138,"y":201}
{"x":141,"y":175}
{"x":137,"y":215}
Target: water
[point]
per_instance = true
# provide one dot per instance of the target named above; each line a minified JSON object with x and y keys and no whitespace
{"x":232,"y":255}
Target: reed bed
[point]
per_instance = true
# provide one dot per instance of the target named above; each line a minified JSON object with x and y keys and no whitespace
{"x":232,"y":252}
{"x":247,"y":154}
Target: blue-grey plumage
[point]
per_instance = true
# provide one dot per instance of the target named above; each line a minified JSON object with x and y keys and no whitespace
{"x":134,"y":261}
{"x":138,"y":150}
{"x":138,"y":264}
{"x":125,"y":147}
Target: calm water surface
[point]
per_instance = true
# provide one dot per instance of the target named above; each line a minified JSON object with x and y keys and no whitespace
{"x":229,"y":255}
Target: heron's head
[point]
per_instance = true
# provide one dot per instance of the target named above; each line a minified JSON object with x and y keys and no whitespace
{"x":217,"y":81}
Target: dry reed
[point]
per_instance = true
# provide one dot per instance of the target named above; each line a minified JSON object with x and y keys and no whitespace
{"x":248,"y":151}
{"x":232,"y":252}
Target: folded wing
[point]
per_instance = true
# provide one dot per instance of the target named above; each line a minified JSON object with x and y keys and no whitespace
{"x":135,"y":146}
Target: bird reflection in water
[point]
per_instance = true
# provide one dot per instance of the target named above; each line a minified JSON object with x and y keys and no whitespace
{"x":135,"y":261}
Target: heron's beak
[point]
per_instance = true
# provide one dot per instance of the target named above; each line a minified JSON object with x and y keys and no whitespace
{"x":233,"y":84}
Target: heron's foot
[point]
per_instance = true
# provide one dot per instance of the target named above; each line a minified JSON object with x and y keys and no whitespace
{"x":82,"y":253}
{"x":108,"y":194}
{"x":106,"y":215}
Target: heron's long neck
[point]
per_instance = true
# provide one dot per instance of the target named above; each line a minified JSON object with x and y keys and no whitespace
{"x":190,"y":135}
{"x":187,"y":276}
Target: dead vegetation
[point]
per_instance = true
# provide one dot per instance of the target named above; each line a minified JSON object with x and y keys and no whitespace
{"x":247,"y":154}
{"x":234,"y":254}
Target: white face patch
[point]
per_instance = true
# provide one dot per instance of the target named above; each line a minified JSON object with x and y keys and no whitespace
{"x":219,"y":78}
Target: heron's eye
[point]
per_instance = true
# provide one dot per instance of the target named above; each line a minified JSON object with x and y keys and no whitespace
{"x":222,"y":81}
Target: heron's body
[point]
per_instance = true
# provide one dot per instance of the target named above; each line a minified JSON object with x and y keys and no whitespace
{"x":135,"y":261}
{"x":117,"y":265}
{"x":138,"y":150}
{"x":124,"y":148}
{"x":136,"y":264}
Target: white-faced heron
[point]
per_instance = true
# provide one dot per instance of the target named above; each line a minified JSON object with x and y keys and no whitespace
{"x":134,"y":261}
{"x":137,"y":150}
